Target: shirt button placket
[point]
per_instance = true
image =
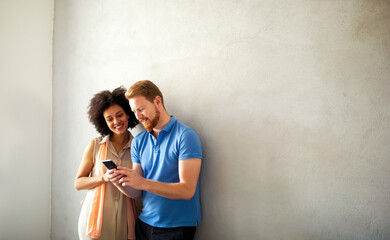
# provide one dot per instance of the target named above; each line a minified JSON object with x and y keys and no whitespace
{"x":157,"y":143}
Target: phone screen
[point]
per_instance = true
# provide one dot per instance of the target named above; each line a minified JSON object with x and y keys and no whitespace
{"x":109,"y":164}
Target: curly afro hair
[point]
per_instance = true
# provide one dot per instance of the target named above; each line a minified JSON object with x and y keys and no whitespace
{"x":103,"y":100}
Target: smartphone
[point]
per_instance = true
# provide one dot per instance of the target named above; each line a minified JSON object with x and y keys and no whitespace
{"x":109,"y":164}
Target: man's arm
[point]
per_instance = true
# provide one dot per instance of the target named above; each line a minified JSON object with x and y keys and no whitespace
{"x":185,"y":189}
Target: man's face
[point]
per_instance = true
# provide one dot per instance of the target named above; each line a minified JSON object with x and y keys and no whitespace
{"x":145,"y":111}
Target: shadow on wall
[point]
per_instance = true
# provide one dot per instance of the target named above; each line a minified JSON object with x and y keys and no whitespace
{"x":25,"y":150}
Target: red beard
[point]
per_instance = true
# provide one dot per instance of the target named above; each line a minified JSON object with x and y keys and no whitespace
{"x":149,"y":125}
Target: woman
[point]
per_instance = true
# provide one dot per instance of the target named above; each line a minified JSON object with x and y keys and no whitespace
{"x":106,"y":212}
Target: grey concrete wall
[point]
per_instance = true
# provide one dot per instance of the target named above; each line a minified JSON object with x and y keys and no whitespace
{"x":290,"y":99}
{"x":26,"y":31}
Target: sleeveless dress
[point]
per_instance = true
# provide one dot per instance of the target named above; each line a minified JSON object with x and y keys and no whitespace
{"x":114,"y":226}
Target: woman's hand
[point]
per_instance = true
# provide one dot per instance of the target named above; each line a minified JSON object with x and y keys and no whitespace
{"x":113,"y":177}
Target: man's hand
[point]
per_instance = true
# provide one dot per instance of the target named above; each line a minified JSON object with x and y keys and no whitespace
{"x":183,"y":190}
{"x":130,"y":178}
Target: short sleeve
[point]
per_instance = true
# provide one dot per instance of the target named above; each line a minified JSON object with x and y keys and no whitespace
{"x":190,"y":146}
{"x":134,"y":151}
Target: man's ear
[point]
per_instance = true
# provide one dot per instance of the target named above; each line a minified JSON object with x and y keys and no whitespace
{"x":157,"y":100}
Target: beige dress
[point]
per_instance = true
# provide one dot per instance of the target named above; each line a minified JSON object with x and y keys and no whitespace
{"x":114,"y":225}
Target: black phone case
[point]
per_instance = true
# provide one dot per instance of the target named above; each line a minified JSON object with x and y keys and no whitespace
{"x":109,"y":164}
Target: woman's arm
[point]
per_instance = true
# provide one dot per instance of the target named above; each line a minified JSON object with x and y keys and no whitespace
{"x":83,"y":181}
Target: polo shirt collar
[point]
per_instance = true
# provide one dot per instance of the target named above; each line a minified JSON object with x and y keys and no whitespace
{"x":169,"y":126}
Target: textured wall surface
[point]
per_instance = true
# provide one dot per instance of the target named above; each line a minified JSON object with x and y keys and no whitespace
{"x":26,"y":31}
{"x":290,"y":99}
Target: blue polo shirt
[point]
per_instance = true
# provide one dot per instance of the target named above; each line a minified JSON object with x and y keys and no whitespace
{"x":159,"y":159}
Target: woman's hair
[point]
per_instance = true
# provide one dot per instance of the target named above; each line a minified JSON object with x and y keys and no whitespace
{"x":145,"y":88}
{"x":103,"y":100}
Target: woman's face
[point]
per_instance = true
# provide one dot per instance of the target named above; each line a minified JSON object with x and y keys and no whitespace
{"x":116,"y":119}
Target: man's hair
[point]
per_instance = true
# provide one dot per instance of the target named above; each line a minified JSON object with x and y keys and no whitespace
{"x":145,"y":88}
{"x":103,"y":100}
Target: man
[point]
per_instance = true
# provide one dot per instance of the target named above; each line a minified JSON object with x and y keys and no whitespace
{"x":166,"y":165}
